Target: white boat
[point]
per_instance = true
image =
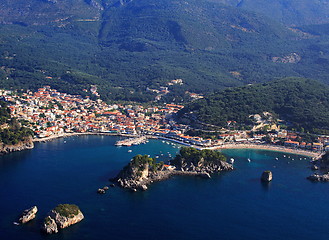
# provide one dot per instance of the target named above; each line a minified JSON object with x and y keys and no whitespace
{"x":16,"y":223}
{"x":232,"y":160}
{"x":276,"y":158}
{"x":130,"y":150}
{"x":248,"y":160}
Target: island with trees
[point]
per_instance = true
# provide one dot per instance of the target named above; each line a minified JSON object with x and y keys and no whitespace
{"x":141,"y":171}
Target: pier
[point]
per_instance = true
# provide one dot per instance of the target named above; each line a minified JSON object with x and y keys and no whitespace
{"x":131,"y":141}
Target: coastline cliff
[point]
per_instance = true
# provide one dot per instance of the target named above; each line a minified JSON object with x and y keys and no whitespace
{"x":141,"y":171}
{"x":23,"y":145}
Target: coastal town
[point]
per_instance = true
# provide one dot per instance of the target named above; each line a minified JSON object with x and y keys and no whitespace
{"x":51,"y":114}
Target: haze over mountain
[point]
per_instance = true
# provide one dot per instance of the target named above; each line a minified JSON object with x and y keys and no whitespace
{"x":290,"y":12}
{"x":126,"y":46}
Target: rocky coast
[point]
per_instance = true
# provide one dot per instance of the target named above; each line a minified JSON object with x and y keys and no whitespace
{"x":24,"y":145}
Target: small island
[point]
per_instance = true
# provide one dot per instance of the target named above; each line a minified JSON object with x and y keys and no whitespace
{"x":141,"y":171}
{"x":28,"y":215}
{"x":62,"y":216}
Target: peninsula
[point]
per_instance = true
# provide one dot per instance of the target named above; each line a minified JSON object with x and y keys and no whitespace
{"x":141,"y":171}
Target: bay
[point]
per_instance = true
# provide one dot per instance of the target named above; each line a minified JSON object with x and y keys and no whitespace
{"x":231,"y":205}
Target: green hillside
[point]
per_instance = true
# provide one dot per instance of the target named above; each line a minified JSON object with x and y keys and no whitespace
{"x":291,"y":12}
{"x":301,"y":102}
{"x":126,"y":46}
{"x":11,"y":131}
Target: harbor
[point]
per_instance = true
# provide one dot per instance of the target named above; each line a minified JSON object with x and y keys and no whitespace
{"x":132,"y":141}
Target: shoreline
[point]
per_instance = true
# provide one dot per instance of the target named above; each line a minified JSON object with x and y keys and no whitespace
{"x":46,"y":139}
{"x":268,"y":148}
{"x":225,"y":146}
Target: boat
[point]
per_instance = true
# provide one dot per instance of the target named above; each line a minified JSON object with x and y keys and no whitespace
{"x":248,"y":160}
{"x":130,"y":150}
{"x":276,"y":158}
{"x":232,"y":160}
{"x":16,"y":223}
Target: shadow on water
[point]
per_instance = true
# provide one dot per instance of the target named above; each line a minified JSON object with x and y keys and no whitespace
{"x":12,"y":159}
{"x":265,"y":185}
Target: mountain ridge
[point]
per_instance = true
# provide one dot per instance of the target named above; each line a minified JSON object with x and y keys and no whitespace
{"x":126,"y":46}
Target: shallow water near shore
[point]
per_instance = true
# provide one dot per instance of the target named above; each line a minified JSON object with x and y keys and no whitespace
{"x":231,"y":205}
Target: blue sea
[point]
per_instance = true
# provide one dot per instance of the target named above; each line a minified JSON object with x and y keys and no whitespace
{"x":231,"y":205}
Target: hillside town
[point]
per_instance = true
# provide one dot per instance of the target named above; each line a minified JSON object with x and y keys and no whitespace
{"x":52,"y":114}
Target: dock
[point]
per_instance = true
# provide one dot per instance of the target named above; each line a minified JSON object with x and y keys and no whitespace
{"x":131,"y":141}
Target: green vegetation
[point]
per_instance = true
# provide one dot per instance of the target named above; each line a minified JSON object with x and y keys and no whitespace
{"x":302,"y":103}
{"x":4,"y":113}
{"x":47,"y":220}
{"x":197,"y":157}
{"x":139,"y":162}
{"x":292,"y":12}
{"x":125,"y":48}
{"x":67,"y":210}
{"x":11,"y":131}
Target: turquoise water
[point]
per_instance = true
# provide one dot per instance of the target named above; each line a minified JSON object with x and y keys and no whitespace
{"x":231,"y":205}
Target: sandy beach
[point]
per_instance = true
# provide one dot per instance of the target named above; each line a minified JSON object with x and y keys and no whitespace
{"x":315,"y":155}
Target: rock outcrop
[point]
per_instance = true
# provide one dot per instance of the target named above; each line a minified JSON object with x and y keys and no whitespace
{"x":49,"y":226}
{"x":27,"y":144}
{"x":319,"y":178}
{"x":291,"y":58}
{"x":28,"y":215}
{"x":267,"y":176}
{"x":64,"y":215}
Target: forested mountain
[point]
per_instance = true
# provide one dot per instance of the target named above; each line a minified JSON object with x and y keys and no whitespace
{"x":290,"y":12}
{"x":126,"y":46}
{"x":302,"y":103}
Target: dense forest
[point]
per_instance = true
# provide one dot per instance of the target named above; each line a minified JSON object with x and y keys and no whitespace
{"x":124,"y":47}
{"x":197,"y":157}
{"x":290,"y":12}
{"x":11,"y":131}
{"x":302,"y":103}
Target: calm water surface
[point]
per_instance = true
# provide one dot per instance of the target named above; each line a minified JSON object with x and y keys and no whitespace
{"x":231,"y":205}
